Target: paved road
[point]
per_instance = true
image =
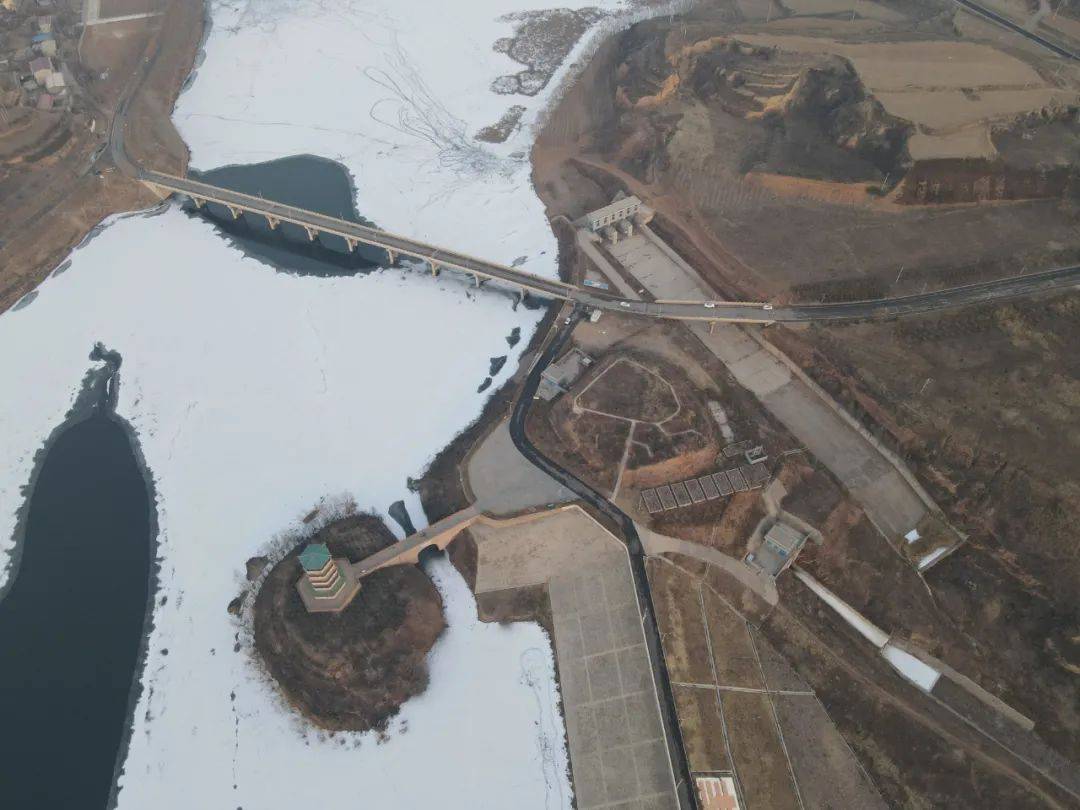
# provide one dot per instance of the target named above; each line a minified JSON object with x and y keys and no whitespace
{"x":879,"y":309}
{"x":1015,"y":27}
{"x":684,"y":785}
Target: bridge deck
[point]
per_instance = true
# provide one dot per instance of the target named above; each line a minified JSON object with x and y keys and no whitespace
{"x":439,"y":533}
{"x":719,"y":311}
{"x":361,"y":233}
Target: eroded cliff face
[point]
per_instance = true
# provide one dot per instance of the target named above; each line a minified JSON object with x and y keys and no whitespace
{"x":802,"y":115}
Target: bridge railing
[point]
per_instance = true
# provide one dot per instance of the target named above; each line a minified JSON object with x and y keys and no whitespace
{"x":346,"y":229}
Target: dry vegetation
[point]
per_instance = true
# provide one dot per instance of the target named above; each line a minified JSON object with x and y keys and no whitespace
{"x":727,"y":729}
{"x":634,"y":412}
{"x":354,"y":669}
{"x":983,"y":404}
{"x":665,"y":112}
{"x":766,"y":165}
{"x":52,"y":191}
{"x":541,"y":41}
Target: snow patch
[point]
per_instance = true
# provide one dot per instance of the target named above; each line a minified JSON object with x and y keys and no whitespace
{"x":914,"y":670}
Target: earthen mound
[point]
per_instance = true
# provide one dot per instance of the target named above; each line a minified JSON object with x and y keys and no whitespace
{"x":354,"y":669}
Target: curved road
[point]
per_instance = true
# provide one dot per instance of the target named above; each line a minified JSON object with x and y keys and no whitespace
{"x":683,"y":784}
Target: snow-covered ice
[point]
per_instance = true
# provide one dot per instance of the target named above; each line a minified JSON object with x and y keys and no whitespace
{"x":392,"y":90}
{"x":255,"y":393}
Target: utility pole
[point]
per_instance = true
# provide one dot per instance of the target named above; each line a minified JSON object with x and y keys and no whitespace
{"x":898,"y":275}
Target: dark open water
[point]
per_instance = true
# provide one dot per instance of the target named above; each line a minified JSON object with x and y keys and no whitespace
{"x":72,"y":620}
{"x":304,"y":181}
{"x":74,"y":614}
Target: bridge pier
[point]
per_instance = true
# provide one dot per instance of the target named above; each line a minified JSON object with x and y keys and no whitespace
{"x":236,"y":212}
{"x":476,"y":279}
{"x":311,"y":233}
{"x":435,"y":269}
{"x":391,"y":257}
{"x":199,"y":201}
{"x":273,"y":222}
{"x":351,"y":243}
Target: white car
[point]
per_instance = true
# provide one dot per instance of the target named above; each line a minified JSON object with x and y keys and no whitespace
{"x":709,"y":305}
{"x":767,"y":307}
{"x":624,"y":303}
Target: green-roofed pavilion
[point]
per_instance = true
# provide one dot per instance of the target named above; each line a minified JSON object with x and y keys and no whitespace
{"x":315,"y":556}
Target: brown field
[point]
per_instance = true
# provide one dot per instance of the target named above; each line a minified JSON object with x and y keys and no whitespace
{"x":733,"y":652}
{"x":678,"y":612}
{"x":692,"y":163}
{"x":919,"y":754}
{"x":633,"y":391}
{"x":983,"y":404}
{"x":633,"y":417}
{"x":702,"y":732}
{"x":49,"y":201}
{"x":760,"y":761}
{"x":689,"y":605}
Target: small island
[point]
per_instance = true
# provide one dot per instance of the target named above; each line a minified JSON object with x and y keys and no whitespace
{"x":352,"y":669}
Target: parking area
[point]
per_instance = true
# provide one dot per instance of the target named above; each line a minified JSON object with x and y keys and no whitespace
{"x":618,"y":753}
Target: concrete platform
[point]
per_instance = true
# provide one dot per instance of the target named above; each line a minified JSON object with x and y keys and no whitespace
{"x":618,"y":754}
{"x":504,"y":482}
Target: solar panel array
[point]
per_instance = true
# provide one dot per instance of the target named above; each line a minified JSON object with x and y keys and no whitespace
{"x":706,"y":488}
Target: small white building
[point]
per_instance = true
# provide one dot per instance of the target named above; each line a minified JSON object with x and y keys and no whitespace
{"x":612,"y":214}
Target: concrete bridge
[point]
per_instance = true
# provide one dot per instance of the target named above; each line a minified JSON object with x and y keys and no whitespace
{"x":438,"y":258}
{"x":407,"y":552}
{"x":354,"y":234}
{"x":439,"y":535}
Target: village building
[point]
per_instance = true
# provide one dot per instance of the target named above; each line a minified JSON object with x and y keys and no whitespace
{"x":42,"y":68}
{"x":560,"y":375}
{"x":45,"y":44}
{"x":55,"y":84}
